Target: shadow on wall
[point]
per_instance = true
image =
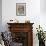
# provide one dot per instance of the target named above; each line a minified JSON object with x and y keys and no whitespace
{"x":43,"y":6}
{"x":0,"y":15}
{"x":0,"y":24}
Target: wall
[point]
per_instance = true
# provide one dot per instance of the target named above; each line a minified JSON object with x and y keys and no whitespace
{"x":0,"y":15}
{"x":33,"y":13}
{"x":43,"y":14}
{"x":9,"y":11}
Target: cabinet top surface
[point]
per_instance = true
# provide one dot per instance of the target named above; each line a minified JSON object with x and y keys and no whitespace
{"x":19,"y":23}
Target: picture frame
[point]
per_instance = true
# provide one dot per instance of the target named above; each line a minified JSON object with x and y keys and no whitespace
{"x":21,"y":9}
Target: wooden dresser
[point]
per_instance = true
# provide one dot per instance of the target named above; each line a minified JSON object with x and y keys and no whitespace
{"x":22,"y":33}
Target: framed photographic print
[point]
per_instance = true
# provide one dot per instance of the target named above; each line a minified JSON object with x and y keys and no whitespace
{"x":20,"y":9}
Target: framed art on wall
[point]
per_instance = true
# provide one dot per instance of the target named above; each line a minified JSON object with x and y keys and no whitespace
{"x":20,"y":9}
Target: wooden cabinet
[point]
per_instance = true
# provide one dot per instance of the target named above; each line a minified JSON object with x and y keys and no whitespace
{"x":22,"y":33}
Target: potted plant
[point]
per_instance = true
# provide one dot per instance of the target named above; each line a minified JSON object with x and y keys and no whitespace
{"x":41,"y":36}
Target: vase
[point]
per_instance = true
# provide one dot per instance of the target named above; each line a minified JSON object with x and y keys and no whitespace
{"x":41,"y":43}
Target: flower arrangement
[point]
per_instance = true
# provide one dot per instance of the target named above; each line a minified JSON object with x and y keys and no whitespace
{"x":40,"y":34}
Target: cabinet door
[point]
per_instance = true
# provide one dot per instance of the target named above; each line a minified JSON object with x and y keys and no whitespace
{"x":20,"y":37}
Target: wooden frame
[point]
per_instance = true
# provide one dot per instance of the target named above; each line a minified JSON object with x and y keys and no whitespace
{"x":21,"y":9}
